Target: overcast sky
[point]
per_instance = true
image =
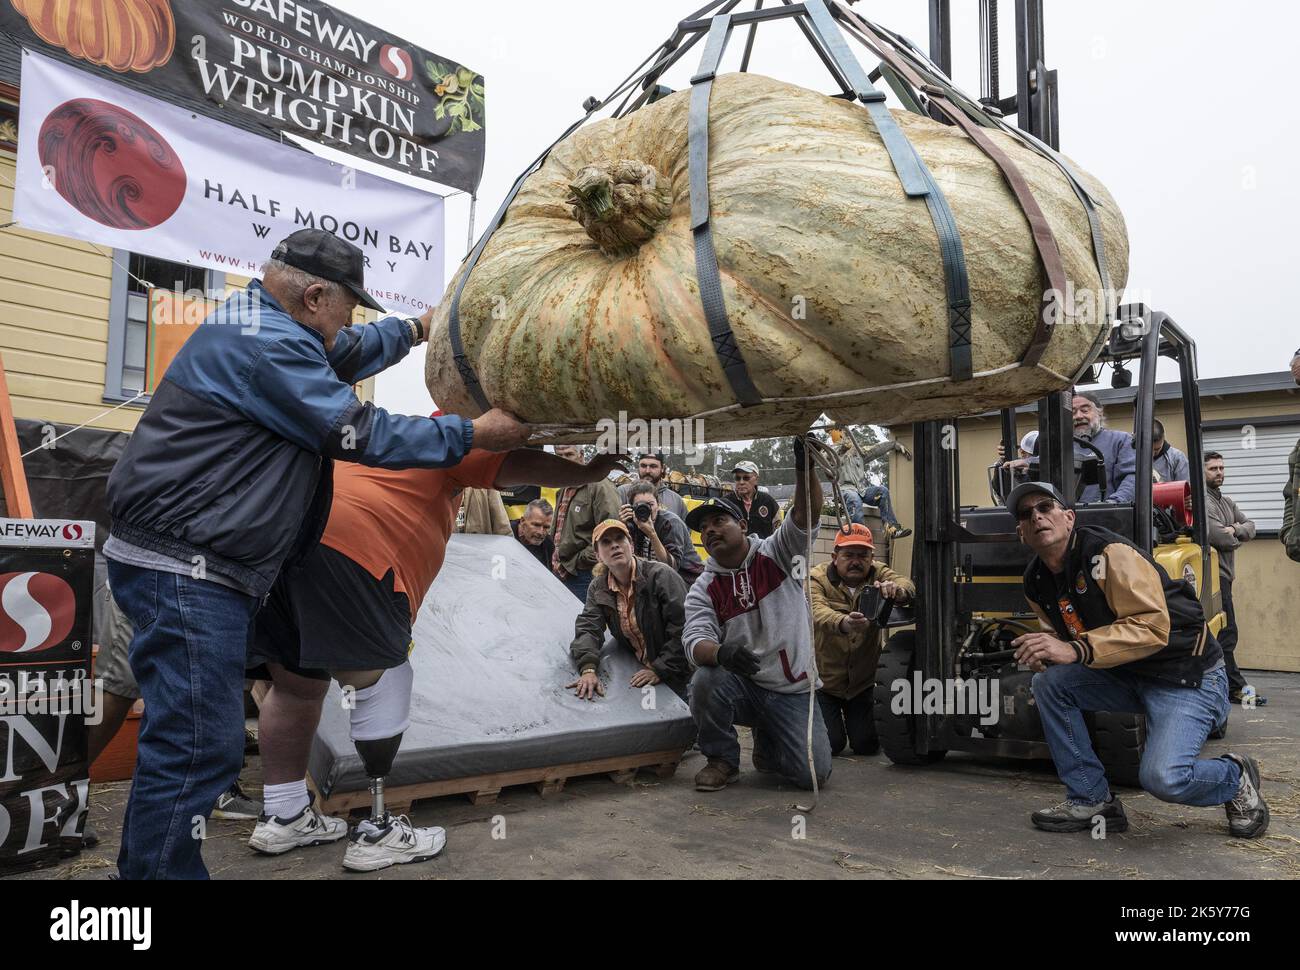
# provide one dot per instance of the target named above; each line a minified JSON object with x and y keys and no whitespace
{"x":1201,"y":153}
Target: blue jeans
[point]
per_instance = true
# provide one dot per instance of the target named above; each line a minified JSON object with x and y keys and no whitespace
{"x":577,"y":585}
{"x":188,"y":652}
{"x":720,"y":700}
{"x":878,"y":495}
{"x":852,"y":504}
{"x":1179,"y":719}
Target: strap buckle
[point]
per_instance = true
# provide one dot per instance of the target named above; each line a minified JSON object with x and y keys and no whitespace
{"x":704,"y":76}
{"x":871,"y":97}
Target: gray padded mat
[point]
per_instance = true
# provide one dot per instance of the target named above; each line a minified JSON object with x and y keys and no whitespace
{"x":491,"y":660}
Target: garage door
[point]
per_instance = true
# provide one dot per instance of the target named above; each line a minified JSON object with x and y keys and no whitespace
{"x":1256,"y":468}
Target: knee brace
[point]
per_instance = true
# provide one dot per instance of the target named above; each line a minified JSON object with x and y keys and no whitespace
{"x":383,"y":709}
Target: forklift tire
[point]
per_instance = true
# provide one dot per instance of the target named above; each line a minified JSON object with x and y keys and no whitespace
{"x":1118,"y":740}
{"x":897,"y":732}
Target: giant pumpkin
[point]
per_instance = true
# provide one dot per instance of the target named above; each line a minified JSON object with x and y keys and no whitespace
{"x":585,"y":301}
{"x":123,"y":35}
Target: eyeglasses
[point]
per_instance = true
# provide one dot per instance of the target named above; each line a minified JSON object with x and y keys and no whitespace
{"x":1040,"y":508}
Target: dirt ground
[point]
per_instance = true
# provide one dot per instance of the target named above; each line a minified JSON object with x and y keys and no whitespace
{"x":961,"y":818}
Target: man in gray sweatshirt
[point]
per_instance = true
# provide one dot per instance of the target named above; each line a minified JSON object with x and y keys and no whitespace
{"x":1228,"y":528}
{"x":748,"y":637}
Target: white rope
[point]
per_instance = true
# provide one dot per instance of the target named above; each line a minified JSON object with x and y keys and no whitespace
{"x":824,"y":456}
{"x":50,"y":443}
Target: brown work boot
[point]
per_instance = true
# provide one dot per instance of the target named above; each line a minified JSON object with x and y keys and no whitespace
{"x":716,"y":775}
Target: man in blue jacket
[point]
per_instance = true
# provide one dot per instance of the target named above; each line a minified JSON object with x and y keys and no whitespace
{"x":1116,"y":449}
{"x":228,"y":476}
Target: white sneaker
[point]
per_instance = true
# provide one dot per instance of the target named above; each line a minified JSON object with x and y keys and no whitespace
{"x":372,"y":847}
{"x":275,"y":835}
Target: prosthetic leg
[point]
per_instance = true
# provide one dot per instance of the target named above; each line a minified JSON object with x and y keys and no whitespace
{"x":381,"y":715}
{"x":377,"y":757}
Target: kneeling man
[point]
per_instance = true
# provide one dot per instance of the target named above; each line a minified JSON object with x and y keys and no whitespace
{"x":640,"y":602}
{"x":747,"y":632}
{"x":1123,"y":637}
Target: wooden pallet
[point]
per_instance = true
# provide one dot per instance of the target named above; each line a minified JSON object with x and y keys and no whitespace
{"x":484,"y":789}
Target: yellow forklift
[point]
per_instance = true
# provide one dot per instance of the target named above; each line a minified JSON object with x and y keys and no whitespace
{"x":968,"y":563}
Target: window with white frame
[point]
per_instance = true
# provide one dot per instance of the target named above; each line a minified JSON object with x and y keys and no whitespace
{"x":128,"y":327}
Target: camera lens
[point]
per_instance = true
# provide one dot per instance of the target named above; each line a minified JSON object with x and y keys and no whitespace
{"x":642,"y":511}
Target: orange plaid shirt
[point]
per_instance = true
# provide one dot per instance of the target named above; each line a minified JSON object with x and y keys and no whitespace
{"x":626,"y":600}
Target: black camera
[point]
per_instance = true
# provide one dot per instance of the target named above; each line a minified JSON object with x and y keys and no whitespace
{"x":643,"y":511}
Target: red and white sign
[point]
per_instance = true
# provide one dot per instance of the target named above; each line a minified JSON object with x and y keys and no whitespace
{"x":36,"y":611}
{"x":102,"y":162}
{"x":56,"y":533}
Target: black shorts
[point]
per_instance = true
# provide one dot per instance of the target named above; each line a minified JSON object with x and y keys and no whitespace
{"x":329,"y":613}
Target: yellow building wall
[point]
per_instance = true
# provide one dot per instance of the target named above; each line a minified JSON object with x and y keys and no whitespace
{"x":54,"y":312}
{"x":1266,"y":591}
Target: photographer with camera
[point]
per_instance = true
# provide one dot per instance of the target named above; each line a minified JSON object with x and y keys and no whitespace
{"x":659,"y":534}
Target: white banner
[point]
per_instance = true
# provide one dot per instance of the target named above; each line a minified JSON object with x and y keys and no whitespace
{"x":99,"y":162}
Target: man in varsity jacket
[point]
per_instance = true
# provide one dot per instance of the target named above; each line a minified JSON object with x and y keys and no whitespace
{"x":1120,"y":635}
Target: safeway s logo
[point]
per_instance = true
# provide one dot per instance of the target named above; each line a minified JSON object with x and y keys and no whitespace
{"x":36,"y":611}
{"x":72,"y":531}
{"x":396,"y":62}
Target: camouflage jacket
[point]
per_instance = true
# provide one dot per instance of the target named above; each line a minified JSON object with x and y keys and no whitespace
{"x":1290,"y":535}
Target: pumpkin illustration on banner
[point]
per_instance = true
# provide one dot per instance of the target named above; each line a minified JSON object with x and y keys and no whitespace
{"x":122,"y":35}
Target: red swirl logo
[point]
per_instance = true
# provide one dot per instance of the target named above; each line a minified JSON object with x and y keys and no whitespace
{"x":396,"y":62}
{"x":36,"y":611}
{"x":110,"y":165}
{"x":72,"y":531}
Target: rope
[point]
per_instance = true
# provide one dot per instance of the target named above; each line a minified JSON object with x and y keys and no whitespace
{"x":50,"y":443}
{"x":825,"y":458}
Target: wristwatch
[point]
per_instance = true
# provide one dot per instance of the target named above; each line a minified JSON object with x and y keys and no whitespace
{"x":417,"y":330}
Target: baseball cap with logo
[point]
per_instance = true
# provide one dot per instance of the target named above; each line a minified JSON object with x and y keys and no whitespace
{"x":605,"y":526}
{"x":325,"y":255}
{"x":746,"y":466}
{"x":713,"y":505}
{"x":857,"y":535}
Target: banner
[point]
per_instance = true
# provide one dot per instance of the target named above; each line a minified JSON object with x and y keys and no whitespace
{"x":99,"y":162}
{"x":47,"y":570}
{"x":300,"y":67}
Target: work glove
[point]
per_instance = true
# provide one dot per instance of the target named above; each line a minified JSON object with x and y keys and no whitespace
{"x":737,"y":659}
{"x":800,"y":454}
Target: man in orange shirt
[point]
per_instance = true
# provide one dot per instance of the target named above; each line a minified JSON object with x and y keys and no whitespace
{"x":345,"y":611}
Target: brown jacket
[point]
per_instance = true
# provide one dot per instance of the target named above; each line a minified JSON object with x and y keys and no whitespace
{"x":847,"y":664}
{"x":485,"y":513}
{"x":591,"y":505}
{"x":659,"y":598}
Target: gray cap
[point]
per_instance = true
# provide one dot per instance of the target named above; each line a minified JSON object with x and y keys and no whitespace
{"x":1028,"y":441}
{"x":1034,"y":488}
{"x":746,"y":466}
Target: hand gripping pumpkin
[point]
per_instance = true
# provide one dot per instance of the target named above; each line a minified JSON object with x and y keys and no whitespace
{"x":124,"y":35}
{"x":585,"y":301}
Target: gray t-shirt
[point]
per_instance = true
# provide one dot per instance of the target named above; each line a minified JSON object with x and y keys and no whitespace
{"x":124,"y":552}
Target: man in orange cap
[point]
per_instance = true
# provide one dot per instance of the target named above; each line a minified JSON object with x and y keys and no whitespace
{"x":847,"y":642}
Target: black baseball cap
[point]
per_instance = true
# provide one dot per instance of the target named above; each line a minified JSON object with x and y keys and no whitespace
{"x":1034,"y":488}
{"x":325,"y":255}
{"x":716,"y":504}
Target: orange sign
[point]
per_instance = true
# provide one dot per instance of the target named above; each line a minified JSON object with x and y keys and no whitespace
{"x":173,"y":316}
